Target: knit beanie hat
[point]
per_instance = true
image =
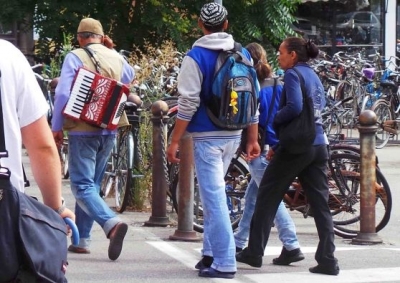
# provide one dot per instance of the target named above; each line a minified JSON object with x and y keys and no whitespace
{"x":90,"y":25}
{"x":213,"y":14}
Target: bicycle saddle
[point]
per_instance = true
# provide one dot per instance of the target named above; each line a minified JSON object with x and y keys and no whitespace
{"x":389,"y":84}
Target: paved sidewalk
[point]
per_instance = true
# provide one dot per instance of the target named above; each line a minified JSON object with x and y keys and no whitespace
{"x":150,"y":256}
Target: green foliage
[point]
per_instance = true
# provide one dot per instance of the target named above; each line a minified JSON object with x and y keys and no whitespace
{"x":142,"y":22}
{"x":266,"y":22}
{"x":58,"y":58}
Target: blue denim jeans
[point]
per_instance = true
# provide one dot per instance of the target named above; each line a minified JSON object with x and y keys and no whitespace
{"x":212,"y":158}
{"x":283,"y":221}
{"x":88,"y":155}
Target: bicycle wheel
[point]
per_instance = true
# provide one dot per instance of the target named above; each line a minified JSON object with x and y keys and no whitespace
{"x":123,"y":169}
{"x":236,"y":180}
{"x":332,"y":124}
{"x":344,"y":197}
{"x":383,"y":113}
{"x":344,"y":148}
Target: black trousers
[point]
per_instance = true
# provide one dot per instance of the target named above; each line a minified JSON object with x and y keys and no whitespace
{"x":311,"y":169}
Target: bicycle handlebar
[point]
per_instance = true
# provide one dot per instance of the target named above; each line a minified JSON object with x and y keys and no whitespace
{"x":36,"y":66}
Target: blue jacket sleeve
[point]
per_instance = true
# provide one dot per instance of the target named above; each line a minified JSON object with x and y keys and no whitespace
{"x":292,"y":102}
{"x":70,"y":66}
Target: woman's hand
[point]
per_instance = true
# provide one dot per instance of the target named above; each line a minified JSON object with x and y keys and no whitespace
{"x":270,"y":153}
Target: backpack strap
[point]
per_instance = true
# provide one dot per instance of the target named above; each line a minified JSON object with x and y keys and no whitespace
{"x":237,"y":47}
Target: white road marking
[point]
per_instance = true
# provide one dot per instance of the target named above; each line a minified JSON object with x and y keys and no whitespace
{"x":183,"y":257}
{"x":364,"y":275}
{"x":271,"y":250}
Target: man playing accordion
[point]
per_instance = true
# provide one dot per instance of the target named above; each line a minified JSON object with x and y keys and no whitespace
{"x":90,"y":146}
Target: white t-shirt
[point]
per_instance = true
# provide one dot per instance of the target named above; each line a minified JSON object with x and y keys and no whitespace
{"x":23,"y":103}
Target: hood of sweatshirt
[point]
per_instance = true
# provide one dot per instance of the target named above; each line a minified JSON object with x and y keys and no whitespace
{"x":216,"y":41}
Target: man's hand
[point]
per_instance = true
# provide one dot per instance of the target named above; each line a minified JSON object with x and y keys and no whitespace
{"x":68,"y":213}
{"x":253,"y":150}
{"x":172,"y":151}
{"x":58,"y":138}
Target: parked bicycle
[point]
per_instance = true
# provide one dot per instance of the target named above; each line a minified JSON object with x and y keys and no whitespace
{"x":387,"y":110}
{"x":126,"y":160}
{"x":344,"y":196}
{"x":44,"y":84}
{"x":123,"y":167}
{"x":64,"y":155}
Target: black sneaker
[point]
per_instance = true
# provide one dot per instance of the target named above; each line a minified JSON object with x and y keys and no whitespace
{"x":205,"y":262}
{"x":287,"y":257}
{"x":213,"y":273}
{"x":245,"y":257}
{"x":328,"y":270}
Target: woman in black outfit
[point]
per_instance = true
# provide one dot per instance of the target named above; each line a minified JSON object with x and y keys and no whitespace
{"x":310,"y":165}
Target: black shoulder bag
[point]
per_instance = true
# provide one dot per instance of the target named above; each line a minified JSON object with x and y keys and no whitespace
{"x":33,"y":237}
{"x":261,"y":129}
{"x":298,"y":135}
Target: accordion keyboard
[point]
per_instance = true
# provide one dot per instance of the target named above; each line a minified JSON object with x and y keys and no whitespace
{"x":80,"y":93}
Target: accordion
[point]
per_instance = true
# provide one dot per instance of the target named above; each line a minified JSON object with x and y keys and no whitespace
{"x":96,"y":100}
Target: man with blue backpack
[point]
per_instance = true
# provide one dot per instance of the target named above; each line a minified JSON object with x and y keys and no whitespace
{"x":218,"y":97}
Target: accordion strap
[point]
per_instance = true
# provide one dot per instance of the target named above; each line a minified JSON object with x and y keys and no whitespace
{"x":94,"y":60}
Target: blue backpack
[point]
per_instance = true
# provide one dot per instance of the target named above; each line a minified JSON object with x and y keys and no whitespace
{"x":235,"y":90}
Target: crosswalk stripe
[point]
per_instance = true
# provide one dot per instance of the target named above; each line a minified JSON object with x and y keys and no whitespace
{"x":276,"y":250}
{"x":183,"y":257}
{"x":346,"y":276}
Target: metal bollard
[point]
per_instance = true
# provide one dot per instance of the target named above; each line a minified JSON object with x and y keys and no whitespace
{"x":367,"y":128}
{"x":185,"y":192}
{"x":158,"y":216}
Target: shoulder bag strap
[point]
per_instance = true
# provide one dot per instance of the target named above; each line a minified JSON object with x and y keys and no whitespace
{"x":271,"y":105}
{"x":3,"y":150}
{"x":301,"y":79}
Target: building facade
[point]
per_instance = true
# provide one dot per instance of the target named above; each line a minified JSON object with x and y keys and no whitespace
{"x":368,"y":26}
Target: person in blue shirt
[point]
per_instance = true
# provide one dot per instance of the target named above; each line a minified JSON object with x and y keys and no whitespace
{"x":286,"y":230}
{"x":310,"y":166}
{"x":89,"y":146}
{"x":213,"y":146}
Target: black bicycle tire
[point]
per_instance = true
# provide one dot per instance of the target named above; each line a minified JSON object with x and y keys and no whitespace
{"x":385,"y":104}
{"x":344,"y":148}
{"x":349,"y":234}
{"x":339,"y":226}
{"x":196,"y":226}
{"x":122,"y":165}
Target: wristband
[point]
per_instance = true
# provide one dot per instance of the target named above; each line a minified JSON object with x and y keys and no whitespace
{"x":61,"y":208}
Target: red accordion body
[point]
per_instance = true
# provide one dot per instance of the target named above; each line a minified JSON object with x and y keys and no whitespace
{"x":96,"y":100}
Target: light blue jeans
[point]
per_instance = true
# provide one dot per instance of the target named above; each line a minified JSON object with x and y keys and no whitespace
{"x":88,"y":157}
{"x":212,"y":158}
{"x":283,"y":222}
